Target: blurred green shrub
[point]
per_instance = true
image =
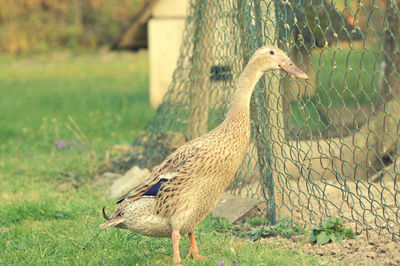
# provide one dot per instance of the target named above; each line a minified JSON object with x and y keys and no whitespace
{"x":39,"y":25}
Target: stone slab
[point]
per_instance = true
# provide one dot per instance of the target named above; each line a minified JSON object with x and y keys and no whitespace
{"x":235,"y":208}
{"x":105,"y":178}
{"x":129,"y":180}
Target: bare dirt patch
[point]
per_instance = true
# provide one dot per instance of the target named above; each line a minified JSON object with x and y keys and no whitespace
{"x":368,"y":208}
{"x":375,"y":250}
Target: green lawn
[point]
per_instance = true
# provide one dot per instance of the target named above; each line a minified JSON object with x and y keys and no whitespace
{"x":49,"y":210}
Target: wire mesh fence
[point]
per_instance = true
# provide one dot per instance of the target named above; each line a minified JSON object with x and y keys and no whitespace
{"x":322,"y":148}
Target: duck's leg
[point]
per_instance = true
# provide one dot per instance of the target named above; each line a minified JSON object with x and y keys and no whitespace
{"x":193,"y":250}
{"x":175,"y":246}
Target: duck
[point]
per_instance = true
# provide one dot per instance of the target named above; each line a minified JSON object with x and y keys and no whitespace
{"x":182,"y":190}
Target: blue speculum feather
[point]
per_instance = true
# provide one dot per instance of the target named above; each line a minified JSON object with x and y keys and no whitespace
{"x":155,"y":188}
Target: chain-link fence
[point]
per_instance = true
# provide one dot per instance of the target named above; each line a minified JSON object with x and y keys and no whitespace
{"x":321,"y":148}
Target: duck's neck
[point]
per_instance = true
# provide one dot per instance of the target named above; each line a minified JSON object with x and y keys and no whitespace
{"x":247,"y":81}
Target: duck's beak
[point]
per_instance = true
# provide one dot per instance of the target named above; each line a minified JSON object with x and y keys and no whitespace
{"x":293,"y":70}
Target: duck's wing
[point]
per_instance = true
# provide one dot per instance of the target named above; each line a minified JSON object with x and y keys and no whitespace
{"x":166,"y":171}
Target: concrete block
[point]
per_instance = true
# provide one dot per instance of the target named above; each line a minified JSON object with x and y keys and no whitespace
{"x":165,"y":36}
{"x":170,"y":8}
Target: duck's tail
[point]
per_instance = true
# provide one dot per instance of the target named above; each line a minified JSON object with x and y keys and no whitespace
{"x":111,"y":222}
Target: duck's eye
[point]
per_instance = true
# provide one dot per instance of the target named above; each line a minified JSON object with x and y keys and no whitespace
{"x":271,"y":52}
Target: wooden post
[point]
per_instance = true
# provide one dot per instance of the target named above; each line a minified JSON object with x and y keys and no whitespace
{"x":275,"y":121}
{"x":269,"y":123}
{"x":198,"y":98}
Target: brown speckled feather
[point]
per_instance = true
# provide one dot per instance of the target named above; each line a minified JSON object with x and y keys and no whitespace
{"x":171,"y":165}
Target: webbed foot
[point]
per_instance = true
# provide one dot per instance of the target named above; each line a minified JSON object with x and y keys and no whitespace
{"x":193,"y":250}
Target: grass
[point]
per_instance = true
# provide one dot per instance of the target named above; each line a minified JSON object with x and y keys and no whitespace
{"x":49,"y":209}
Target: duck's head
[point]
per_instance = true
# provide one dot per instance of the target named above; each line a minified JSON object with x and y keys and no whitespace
{"x":272,"y":58}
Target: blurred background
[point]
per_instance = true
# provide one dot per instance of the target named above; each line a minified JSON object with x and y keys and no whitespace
{"x":39,"y":25}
